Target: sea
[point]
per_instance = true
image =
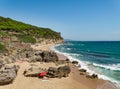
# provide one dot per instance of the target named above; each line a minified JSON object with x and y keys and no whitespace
{"x":100,"y":57}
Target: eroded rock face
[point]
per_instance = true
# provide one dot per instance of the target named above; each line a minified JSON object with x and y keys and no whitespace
{"x":8,"y":74}
{"x":59,"y":72}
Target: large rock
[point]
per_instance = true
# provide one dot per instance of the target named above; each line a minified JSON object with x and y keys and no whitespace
{"x":64,"y":71}
{"x":8,"y":74}
{"x":53,"y":72}
{"x":33,"y":72}
{"x":59,"y":72}
{"x":41,"y":56}
{"x":49,"y":56}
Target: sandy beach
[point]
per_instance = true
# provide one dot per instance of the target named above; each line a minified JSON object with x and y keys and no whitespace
{"x":74,"y":81}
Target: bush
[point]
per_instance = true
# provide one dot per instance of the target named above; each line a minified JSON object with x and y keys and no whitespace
{"x":27,"y":39}
{"x":2,"y":47}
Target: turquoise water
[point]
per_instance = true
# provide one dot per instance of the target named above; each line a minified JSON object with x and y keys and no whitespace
{"x":101,"y":57}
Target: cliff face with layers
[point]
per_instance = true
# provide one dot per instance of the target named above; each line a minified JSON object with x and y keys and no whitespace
{"x":12,"y":31}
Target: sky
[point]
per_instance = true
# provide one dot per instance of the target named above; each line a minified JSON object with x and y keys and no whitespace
{"x":84,"y":20}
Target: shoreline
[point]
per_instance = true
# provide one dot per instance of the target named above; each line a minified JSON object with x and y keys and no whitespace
{"x":106,"y":80}
{"x":74,"y":81}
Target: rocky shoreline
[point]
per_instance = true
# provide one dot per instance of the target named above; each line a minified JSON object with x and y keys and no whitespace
{"x":32,"y":59}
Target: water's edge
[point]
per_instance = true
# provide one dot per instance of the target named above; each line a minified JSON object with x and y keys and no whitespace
{"x":84,"y":66}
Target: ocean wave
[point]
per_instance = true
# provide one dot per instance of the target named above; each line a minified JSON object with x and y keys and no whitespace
{"x":109,"y":66}
{"x":68,"y":48}
{"x":85,"y":65}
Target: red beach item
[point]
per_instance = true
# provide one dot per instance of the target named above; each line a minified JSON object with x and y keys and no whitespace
{"x":42,"y":74}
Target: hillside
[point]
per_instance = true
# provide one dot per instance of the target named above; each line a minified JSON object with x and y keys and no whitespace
{"x":13,"y":33}
{"x":9,"y":25}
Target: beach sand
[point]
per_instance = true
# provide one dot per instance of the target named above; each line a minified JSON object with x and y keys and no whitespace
{"x":74,"y":81}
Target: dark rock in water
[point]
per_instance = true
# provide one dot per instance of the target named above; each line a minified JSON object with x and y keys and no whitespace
{"x":74,"y":62}
{"x":49,"y":56}
{"x":92,"y":76}
{"x":8,"y":74}
{"x":33,"y":72}
{"x":59,"y":72}
{"x":83,"y":70}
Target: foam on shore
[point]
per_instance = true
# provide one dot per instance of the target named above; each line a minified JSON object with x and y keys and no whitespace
{"x":85,"y":65}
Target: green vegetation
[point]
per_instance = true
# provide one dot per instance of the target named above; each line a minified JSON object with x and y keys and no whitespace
{"x":2,"y":47}
{"x":4,"y":33}
{"x":26,"y":39}
{"x":10,"y":25}
{"x":23,"y":32}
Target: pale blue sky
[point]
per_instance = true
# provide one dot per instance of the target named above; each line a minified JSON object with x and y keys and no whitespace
{"x":75,"y":19}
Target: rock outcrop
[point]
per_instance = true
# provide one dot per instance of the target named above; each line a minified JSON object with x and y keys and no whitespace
{"x":8,"y":74}
{"x":49,"y":56}
{"x":59,"y":72}
{"x":41,"y":56}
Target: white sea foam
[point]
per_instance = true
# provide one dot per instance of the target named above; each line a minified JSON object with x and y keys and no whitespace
{"x":68,"y":48}
{"x":85,"y":65}
{"x":109,"y":66}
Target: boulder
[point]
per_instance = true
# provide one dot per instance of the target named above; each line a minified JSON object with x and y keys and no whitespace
{"x":75,"y":62}
{"x":33,"y":72}
{"x":67,"y":60}
{"x":83,"y":70}
{"x":64,"y":71}
{"x":41,"y":56}
{"x":93,"y":76}
{"x":53,"y":72}
{"x":49,"y":56}
{"x":59,"y":72}
{"x":8,"y":74}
